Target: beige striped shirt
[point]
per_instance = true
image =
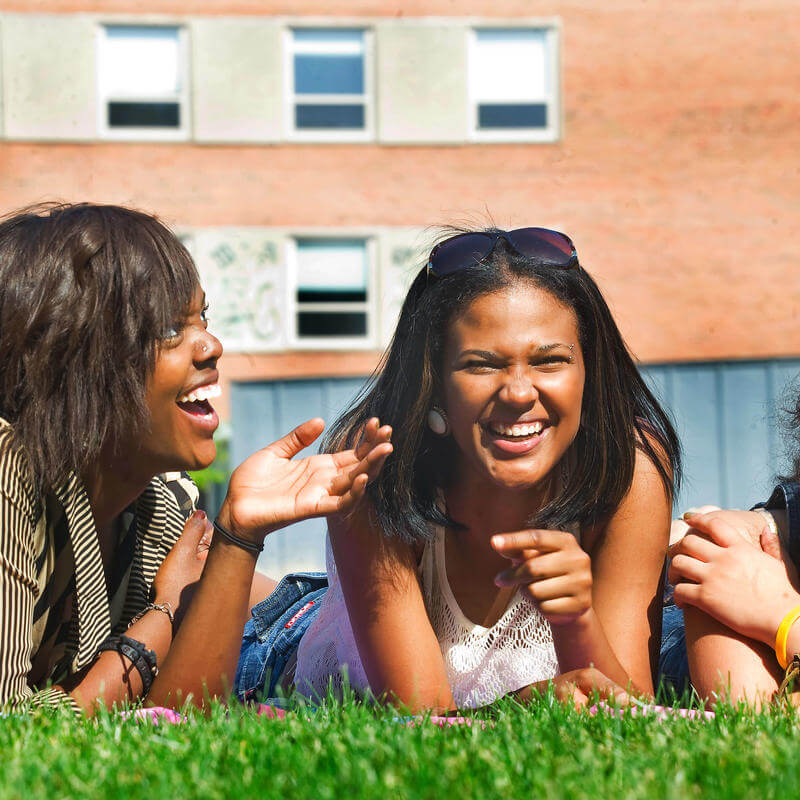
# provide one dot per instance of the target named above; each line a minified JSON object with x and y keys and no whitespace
{"x":57,"y":602}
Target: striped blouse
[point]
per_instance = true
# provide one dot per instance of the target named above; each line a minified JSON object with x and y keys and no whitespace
{"x":57,"y":602}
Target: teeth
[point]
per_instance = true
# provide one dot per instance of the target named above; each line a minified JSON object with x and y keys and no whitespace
{"x":529,"y":429}
{"x":202,"y":393}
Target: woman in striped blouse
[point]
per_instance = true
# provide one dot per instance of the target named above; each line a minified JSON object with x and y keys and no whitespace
{"x":107,"y":592}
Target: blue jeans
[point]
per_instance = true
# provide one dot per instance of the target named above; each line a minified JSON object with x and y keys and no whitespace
{"x":273,"y":633}
{"x":673,"y":663}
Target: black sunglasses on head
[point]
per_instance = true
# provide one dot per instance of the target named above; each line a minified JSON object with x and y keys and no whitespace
{"x":551,"y":248}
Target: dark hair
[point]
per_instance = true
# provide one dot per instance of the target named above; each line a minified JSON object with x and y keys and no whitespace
{"x":790,"y":422}
{"x":86,"y":293}
{"x":619,"y":414}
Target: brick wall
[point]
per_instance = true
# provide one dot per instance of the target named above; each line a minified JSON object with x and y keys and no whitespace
{"x":677,"y":174}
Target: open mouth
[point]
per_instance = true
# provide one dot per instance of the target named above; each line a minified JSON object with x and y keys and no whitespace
{"x":196,"y":402}
{"x":516,"y":439}
{"x":518,"y":431}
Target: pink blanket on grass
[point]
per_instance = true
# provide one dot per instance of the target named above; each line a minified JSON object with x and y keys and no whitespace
{"x":158,"y":715}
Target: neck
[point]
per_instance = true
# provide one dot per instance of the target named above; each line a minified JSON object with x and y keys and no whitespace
{"x":485,"y":511}
{"x":112,"y":484}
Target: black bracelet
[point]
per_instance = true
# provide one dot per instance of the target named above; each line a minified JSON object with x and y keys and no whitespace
{"x":137,"y":653}
{"x":251,"y":547}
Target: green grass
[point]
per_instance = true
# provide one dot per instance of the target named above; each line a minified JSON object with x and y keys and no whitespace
{"x":352,"y":751}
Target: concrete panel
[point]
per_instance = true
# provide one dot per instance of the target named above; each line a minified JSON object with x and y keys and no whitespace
{"x":401,"y":253}
{"x":243,"y":273}
{"x":48,"y":72}
{"x":422,"y":71}
{"x":237,"y":80}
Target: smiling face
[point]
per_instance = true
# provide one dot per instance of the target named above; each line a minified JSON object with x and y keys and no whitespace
{"x":182,"y":421}
{"x":513,"y":377}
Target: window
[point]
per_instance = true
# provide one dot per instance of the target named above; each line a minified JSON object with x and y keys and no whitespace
{"x":513,"y":84}
{"x":141,"y":78}
{"x":329,"y":91}
{"x":332,"y":292}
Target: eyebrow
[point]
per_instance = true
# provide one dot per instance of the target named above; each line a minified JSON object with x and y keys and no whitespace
{"x":541,"y":350}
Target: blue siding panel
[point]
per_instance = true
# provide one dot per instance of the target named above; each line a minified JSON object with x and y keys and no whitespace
{"x":727,"y":416}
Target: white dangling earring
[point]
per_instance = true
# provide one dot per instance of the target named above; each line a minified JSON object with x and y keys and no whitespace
{"x":437,"y":421}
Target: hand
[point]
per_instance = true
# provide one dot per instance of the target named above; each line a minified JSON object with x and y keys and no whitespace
{"x":551,"y":569}
{"x":582,"y":685}
{"x":181,"y":569}
{"x":270,"y":490}
{"x":718,"y":569}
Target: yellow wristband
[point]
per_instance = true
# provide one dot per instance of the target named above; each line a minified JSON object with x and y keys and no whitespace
{"x":783,"y":634}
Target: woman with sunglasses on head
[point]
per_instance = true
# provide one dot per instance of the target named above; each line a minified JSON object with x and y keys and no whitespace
{"x":518,"y":531}
{"x":107,"y":592}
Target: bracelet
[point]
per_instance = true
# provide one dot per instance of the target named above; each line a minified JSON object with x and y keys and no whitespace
{"x":251,"y":547}
{"x":137,"y":653}
{"x":789,"y":678}
{"x":770,"y":520}
{"x":783,"y":634}
{"x":165,"y":607}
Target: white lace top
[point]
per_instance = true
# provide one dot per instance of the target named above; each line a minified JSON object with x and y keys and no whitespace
{"x":482,"y":663}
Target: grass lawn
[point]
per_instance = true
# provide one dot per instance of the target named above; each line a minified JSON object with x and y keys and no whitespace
{"x":351,"y":751}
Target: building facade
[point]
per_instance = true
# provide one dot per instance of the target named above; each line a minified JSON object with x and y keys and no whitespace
{"x":306,"y":156}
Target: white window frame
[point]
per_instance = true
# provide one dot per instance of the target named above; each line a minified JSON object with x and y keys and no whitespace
{"x":552,"y":132}
{"x":182,"y":132}
{"x":291,"y":132}
{"x":366,"y":342}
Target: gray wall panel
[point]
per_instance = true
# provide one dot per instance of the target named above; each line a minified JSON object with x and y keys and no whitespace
{"x":727,"y":416}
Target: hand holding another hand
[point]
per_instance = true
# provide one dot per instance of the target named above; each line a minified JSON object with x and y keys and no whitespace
{"x":735,"y":574}
{"x":551,"y":568}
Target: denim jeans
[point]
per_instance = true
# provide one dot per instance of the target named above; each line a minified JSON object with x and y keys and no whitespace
{"x":673,"y":663}
{"x":273,"y":633}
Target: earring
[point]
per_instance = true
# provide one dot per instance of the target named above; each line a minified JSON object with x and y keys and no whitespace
{"x":437,"y":421}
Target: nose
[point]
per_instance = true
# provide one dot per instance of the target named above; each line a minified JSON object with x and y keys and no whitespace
{"x":518,"y":389}
{"x":207,"y":348}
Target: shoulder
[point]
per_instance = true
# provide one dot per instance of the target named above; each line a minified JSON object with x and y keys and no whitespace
{"x":17,"y":485}
{"x":180,"y":488}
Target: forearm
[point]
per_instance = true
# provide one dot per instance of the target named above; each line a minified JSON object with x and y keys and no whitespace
{"x":202,"y":659}
{"x":583,"y":643}
{"x":112,"y":679}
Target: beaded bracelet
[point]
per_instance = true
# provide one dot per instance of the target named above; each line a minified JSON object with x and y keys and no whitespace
{"x":137,"y":653}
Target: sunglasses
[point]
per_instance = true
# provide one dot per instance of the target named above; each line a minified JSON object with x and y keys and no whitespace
{"x":551,"y":248}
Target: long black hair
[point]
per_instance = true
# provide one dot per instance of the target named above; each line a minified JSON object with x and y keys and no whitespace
{"x":619,"y":415}
{"x":86,"y":294}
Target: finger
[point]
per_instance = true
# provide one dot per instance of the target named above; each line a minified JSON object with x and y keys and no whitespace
{"x":194,"y":528}
{"x":511,"y":544}
{"x":338,"y":504}
{"x":696,"y":547}
{"x":540,"y":567}
{"x":301,"y":437}
{"x":591,"y":681}
{"x":560,"y":610}
{"x":770,"y":543}
{"x":366,"y":437}
{"x":686,"y":594}
{"x":690,"y":512}
{"x":369,"y":466}
{"x":686,"y":568}
{"x":718,"y":529}
{"x":562,"y":586}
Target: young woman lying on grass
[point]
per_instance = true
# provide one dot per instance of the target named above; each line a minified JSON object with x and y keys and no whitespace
{"x":517,"y":534}
{"x":106,"y":370}
{"x":736,"y":579}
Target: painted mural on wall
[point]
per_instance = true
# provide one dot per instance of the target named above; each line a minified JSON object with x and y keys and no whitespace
{"x":244,"y":278}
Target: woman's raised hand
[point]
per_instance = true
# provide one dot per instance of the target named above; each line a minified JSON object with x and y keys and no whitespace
{"x":271,"y":489}
{"x":551,"y":569}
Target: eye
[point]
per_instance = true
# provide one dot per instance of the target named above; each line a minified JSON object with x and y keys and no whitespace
{"x":204,"y":315}
{"x":479,"y":366}
{"x":552,"y":362}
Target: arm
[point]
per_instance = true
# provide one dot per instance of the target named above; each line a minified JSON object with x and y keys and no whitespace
{"x":609,"y":594}
{"x":398,"y":648}
{"x":734,"y":593}
{"x":269,"y":490}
